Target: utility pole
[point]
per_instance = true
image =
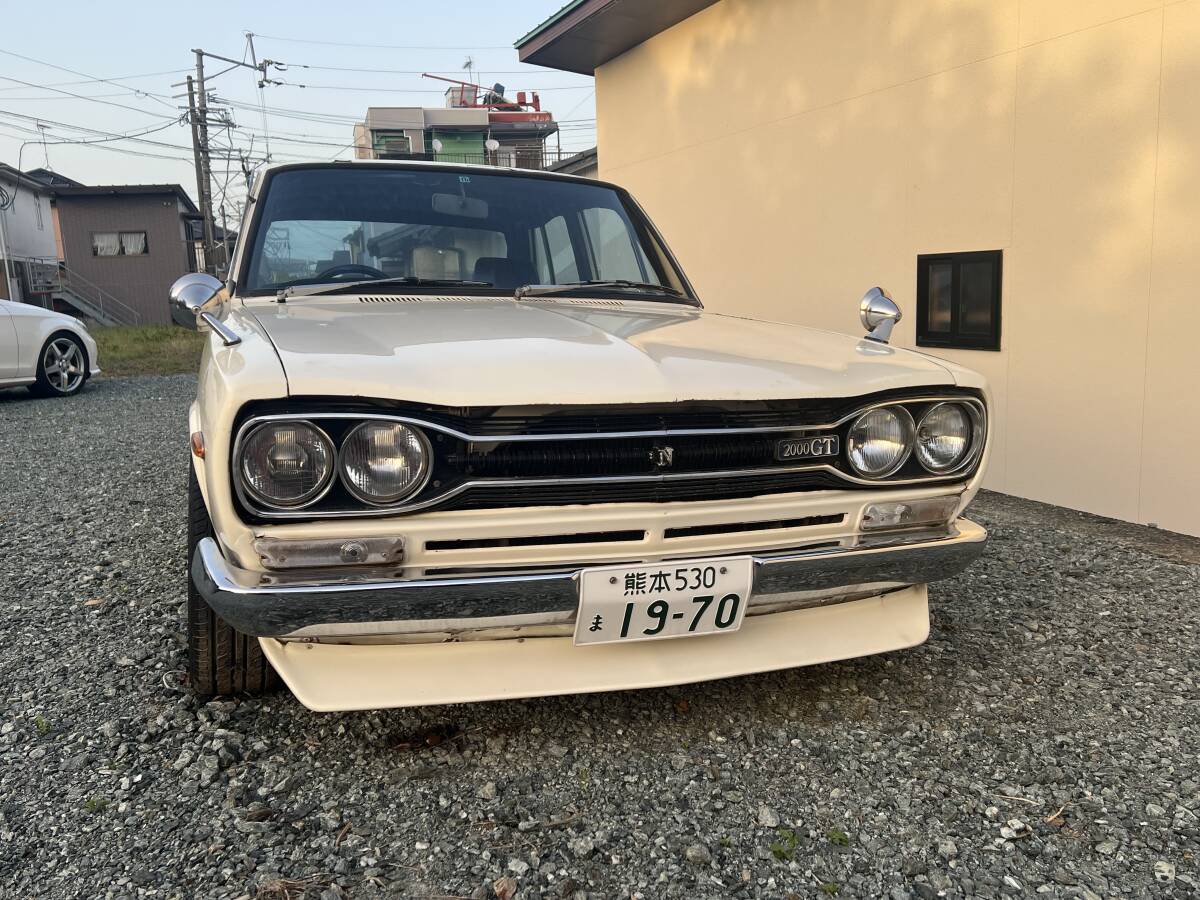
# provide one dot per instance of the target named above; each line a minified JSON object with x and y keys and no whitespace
{"x":247,"y":172}
{"x":198,"y":116}
{"x":225,"y":239}
{"x":197,"y":113}
{"x":201,"y":183}
{"x":262,"y":82}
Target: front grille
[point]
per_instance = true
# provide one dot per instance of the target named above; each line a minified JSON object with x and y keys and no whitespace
{"x":715,"y":488}
{"x":498,"y":457}
{"x":501,"y":422}
{"x":735,"y":527}
{"x":540,"y":540}
{"x":625,"y":456}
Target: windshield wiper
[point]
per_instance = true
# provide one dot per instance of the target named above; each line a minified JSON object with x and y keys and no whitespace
{"x":541,"y":290}
{"x":335,"y":287}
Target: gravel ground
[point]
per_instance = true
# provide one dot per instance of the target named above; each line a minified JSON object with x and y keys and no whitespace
{"x":1043,"y":741}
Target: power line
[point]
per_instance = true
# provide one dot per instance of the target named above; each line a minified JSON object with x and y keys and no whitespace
{"x":42,"y":62}
{"x":97,"y":131}
{"x":8,"y":99}
{"x":329,"y":118}
{"x":97,"y":145}
{"x":289,"y":40}
{"x":31,"y":84}
{"x":532,"y":70}
{"x":580,"y":103}
{"x":83,"y":142}
{"x":114,"y":78}
{"x":386,"y":90}
{"x":251,"y":133}
{"x":303,"y":115}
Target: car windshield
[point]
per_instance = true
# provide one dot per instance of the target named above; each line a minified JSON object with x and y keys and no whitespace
{"x":434,"y":227}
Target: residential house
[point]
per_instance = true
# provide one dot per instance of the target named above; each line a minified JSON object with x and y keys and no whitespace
{"x":124,"y":245}
{"x":53,"y":179}
{"x":477,"y":125}
{"x":26,"y":235}
{"x":50,"y":178}
{"x":223,"y":243}
{"x":585,"y":164}
{"x":1022,"y":176}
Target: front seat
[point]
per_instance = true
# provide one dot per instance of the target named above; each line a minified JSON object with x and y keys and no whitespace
{"x":503,"y":272}
{"x":429,"y":261}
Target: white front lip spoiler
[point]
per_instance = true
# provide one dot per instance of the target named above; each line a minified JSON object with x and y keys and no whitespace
{"x":336,"y":677}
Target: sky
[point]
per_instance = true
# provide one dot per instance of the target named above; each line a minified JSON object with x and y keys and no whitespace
{"x":130,"y":55}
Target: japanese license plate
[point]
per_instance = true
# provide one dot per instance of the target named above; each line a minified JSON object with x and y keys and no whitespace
{"x":674,"y":599}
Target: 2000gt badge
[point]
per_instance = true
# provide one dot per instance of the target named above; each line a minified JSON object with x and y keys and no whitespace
{"x":807,"y":447}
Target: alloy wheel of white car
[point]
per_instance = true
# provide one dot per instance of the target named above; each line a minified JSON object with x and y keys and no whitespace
{"x":62,"y":368}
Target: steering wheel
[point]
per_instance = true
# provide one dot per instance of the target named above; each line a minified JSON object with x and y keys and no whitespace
{"x":351,"y":269}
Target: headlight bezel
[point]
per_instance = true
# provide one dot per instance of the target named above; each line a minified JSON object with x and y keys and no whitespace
{"x":418,"y":484}
{"x":250,"y":492}
{"x":335,"y":427}
{"x":908,"y":424}
{"x":975,"y":437}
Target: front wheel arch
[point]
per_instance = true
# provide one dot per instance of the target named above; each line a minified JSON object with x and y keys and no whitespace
{"x":42,"y":385}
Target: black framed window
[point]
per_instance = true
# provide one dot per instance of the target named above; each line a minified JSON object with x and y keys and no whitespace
{"x":958,"y":300}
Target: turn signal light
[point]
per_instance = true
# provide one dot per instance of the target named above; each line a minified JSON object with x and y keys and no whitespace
{"x":910,"y":513}
{"x":279,"y":553}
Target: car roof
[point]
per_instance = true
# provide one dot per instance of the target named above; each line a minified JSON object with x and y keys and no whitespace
{"x":431,"y":165}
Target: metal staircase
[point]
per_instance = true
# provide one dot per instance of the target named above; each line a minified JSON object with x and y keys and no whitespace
{"x":85,"y":297}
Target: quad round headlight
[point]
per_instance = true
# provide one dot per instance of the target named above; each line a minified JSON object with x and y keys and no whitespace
{"x":879,"y":441}
{"x":286,"y":464}
{"x":944,"y":437}
{"x":382,"y":462}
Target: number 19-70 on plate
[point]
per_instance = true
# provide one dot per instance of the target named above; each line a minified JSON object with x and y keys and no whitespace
{"x":681,"y":598}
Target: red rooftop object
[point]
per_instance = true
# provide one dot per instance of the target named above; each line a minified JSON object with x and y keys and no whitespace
{"x":468,"y":95}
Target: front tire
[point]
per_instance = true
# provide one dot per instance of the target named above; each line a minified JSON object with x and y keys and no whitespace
{"x":221,"y":660}
{"x":62,"y":367}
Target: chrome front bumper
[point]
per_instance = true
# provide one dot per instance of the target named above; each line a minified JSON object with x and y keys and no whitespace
{"x":355,"y":606}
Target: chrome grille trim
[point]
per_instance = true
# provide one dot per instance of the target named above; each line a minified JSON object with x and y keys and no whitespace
{"x":613,"y":435}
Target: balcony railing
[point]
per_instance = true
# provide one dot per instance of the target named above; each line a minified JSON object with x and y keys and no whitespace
{"x":512,"y":157}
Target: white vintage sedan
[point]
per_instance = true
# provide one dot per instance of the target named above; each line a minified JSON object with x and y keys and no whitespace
{"x":466,"y":433}
{"x":50,"y":352}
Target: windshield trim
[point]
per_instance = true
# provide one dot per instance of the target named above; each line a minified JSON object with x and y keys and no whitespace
{"x":247,"y":239}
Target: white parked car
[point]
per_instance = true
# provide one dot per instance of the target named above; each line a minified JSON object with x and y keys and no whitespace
{"x":466,"y":433}
{"x":50,"y":352}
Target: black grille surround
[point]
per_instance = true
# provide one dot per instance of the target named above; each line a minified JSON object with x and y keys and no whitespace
{"x":488,"y":458}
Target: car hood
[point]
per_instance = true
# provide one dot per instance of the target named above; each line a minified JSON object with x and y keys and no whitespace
{"x":483,"y":352}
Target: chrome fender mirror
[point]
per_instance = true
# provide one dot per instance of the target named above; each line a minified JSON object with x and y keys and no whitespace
{"x":195,"y":300}
{"x":879,"y":314}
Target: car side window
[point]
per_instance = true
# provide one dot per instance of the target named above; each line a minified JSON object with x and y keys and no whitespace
{"x":554,"y":254}
{"x":540,"y":255}
{"x":612,"y":249}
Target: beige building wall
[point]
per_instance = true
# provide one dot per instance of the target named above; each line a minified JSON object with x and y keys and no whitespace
{"x":796,"y":152}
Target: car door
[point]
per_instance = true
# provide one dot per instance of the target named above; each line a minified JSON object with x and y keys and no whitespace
{"x":8,"y":343}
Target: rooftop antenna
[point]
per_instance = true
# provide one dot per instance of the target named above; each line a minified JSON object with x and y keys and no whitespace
{"x":42,"y":127}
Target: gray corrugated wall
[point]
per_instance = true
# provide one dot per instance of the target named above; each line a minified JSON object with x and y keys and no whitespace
{"x":139,"y":281}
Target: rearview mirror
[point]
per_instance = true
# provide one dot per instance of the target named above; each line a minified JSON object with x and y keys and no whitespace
{"x":455,"y":205}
